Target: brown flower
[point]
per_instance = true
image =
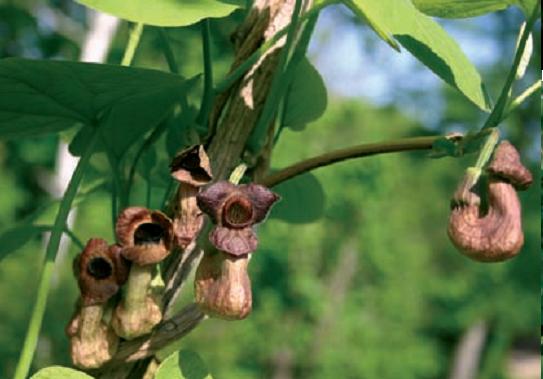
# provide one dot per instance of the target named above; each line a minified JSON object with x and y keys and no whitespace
{"x":100,"y":271}
{"x":145,"y":236}
{"x":506,"y":165}
{"x":234,"y":210}
{"x":222,"y":287}
{"x":191,"y":166}
{"x":493,"y":232}
{"x":192,"y":170}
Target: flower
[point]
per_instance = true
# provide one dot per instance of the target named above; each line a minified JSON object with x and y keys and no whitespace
{"x":100,"y":270}
{"x":493,"y":234}
{"x":145,"y":236}
{"x":234,"y":210}
{"x":192,"y":170}
{"x":191,"y":166}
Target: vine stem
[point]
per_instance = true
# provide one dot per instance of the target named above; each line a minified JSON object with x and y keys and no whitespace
{"x":207,"y":98}
{"x":240,"y":70}
{"x":118,"y":183}
{"x":276,"y":91}
{"x":497,"y":114}
{"x":394,"y":146}
{"x":66,"y":230}
{"x":168,"y":53}
{"x":133,"y":42}
{"x":33,"y":331}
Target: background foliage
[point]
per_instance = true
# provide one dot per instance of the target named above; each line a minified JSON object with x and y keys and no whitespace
{"x":364,"y":285}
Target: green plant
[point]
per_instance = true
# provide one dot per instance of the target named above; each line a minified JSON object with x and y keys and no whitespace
{"x":110,"y":109}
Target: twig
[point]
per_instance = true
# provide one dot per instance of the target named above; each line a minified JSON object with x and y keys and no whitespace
{"x":180,"y":270}
{"x":405,"y":144}
{"x":167,"y":332}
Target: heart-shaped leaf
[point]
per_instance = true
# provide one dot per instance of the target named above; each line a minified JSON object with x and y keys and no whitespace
{"x":306,"y":98}
{"x":39,"y":96}
{"x":302,"y":200}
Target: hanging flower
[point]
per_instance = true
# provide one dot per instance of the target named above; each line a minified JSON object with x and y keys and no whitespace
{"x":234,"y":210}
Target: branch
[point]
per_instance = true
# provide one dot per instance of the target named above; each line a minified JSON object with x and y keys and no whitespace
{"x":167,"y":332}
{"x":247,"y":98}
{"x":405,"y":144}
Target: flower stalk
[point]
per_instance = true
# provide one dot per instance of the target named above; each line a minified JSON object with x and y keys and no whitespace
{"x":145,"y":237}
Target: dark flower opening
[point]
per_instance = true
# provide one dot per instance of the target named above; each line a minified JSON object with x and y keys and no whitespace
{"x":99,"y":268}
{"x":238,"y":212}
{"x":234,"y":210}
{"x":148,"y":233}
{"x":191,"y":161}
{"x":191,"y":166}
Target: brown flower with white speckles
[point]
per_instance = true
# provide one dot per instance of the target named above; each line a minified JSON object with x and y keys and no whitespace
{"x":234,"y":210}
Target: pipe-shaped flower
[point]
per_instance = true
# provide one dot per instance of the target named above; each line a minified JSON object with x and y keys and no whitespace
{"x":145,"y":238}
{"x":492,"y":233}
{"x":100,"y":271}
{"x":144,"y":235}
{"x":192,"y":170}
{"x":234,"y":210}
{"x":191,"y":166}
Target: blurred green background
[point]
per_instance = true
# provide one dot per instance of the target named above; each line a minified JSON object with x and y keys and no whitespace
{"x":368,"y":286}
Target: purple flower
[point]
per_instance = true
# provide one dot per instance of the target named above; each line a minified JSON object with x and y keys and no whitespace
{"x":234,"y":210}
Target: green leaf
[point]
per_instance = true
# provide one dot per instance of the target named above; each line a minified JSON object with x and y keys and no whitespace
{"x":131,"y":119}
{"x":302,"y":200}
{"x":164,"y":12}
{"x":379,"y":28}
{"x":58,"y":372}
{"x":470,"y":8}
{"x":40,"y":96}
{"x":16,"y":237}
{"x":460,"y":8}
{"x":147,"y":163}
{"x":154,"y":167}
{"x":182,"y":131}
{"x":183,"y":364}
{"x":306,"y":99}
{"x":427,"y":41}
